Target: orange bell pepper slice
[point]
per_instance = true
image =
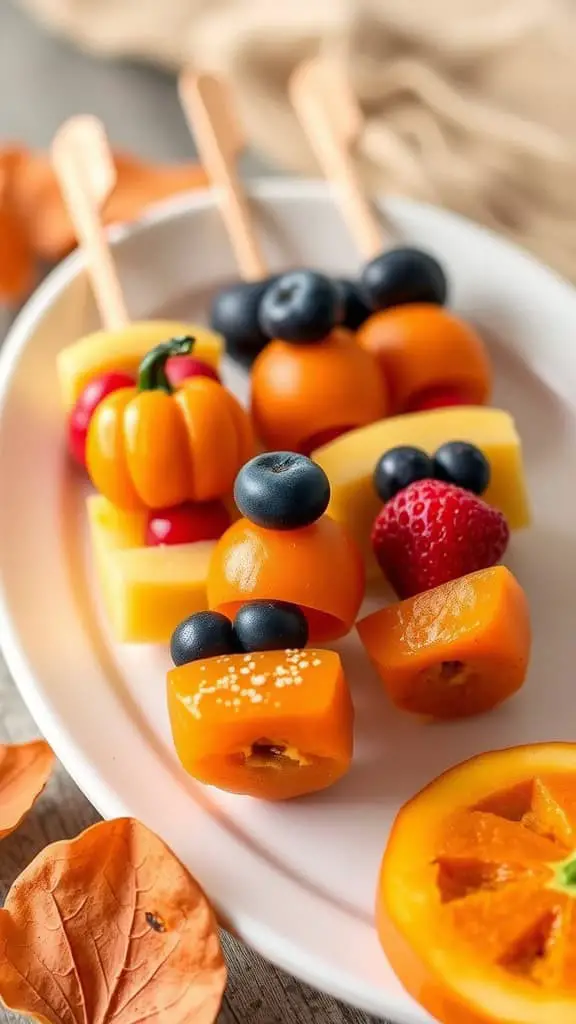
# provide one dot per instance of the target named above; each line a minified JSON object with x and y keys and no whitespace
{"x":303,"y":395}
{"x":422,"y":348}
{"x":152,"y":447}
{"x":271,"y":724}
{"x":318,"y":568}
{"x":476,"y":906}
{"x":457,"y":650}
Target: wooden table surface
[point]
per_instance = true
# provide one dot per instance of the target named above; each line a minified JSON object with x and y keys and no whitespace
{"x":140,"y":109}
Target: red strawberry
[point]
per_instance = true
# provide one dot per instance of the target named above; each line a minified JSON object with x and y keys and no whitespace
{"x":432,"y":532}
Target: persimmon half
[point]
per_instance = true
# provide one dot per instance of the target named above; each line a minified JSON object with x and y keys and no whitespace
{"x":476,"y":901}
{"x":305,"y":395}
{"x":423,"y":349}
{"x":269,"y":724}
{"x":318,"y":567}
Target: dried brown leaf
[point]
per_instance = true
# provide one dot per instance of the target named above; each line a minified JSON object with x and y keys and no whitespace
{"x":38,"y":202}
{"x":110,"y":927}
{"x":24,"y":771}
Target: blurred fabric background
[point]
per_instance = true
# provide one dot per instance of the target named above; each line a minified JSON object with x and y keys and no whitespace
{"x":469,"y":103}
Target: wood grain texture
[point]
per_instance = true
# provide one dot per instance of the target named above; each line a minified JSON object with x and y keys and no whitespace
{"x":257,"y":992}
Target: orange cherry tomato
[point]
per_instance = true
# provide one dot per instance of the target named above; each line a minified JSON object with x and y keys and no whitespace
{"x":301,"y":392}
{"x":318,"y":567}
{"x":476,"y":905}
{"x":153,"y":447}
{"x":423,"y":348}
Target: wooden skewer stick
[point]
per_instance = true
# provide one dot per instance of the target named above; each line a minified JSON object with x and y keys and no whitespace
{"x":208,"y":107}
{"x":332,"y":121}
{"x":86,"y":173}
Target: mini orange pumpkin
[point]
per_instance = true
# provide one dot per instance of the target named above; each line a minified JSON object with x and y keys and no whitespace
{"x":305,"y":395}
{"x":152,"y":447}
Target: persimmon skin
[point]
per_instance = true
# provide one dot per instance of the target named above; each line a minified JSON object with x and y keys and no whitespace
{"x":302,"y":391}
{"x":317,"y":567}
{"x":423,"y":348}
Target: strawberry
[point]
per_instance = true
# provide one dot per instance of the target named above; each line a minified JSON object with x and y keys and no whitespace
{"x":432,"y":532}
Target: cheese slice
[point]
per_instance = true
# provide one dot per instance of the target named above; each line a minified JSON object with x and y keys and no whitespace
{"x":146,"y":591}
{"x":122,"y":351}
{"x":349,"y":463}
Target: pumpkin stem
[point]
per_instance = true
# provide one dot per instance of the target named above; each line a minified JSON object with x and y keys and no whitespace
{"x":152,"y":370}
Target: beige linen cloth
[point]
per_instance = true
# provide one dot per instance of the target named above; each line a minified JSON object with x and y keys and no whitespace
{"x":470,"y":104}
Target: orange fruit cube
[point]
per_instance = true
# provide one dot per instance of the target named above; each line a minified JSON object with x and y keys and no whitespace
{"x":457,"y":650}
{"x":271,"y":724}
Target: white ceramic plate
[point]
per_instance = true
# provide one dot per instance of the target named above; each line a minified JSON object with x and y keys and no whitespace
{"x":296,"y":880}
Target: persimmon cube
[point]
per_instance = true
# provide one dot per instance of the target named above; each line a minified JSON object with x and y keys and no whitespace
{"x":146,"y":591}
{"x":457,"y":650}
{"x":271,"y":724}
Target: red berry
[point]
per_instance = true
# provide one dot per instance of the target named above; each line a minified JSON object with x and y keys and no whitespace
{"x":437,"y":398}
{"x":179,"y":368}
{"x":79,"y":420}
{"x":187,"y":523}
{"x":432,"y":532}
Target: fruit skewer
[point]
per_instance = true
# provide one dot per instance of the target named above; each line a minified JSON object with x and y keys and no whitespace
{"x":428,"y":357}
{"x":154,"y":522}
{"x":332,"y":122}
{"x":288,"y":322}
{"x":217,"y":131}
{"x":107,"y":360}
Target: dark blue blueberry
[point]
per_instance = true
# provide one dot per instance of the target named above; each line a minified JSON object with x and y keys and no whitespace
{"x":301,"y":306}
{"x":282,"y":490}
{"x":355,"y":310}
{"x":202,"y":635}
{"x":403,"y":275}
{"x":235,"y":315}
{"x":400,"y":467}
{"x":462,"y":464}
{"x":270,"y":626}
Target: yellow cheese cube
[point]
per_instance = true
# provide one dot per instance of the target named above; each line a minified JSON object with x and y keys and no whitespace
{"x":349,"y":463}
{"x":122,"y":351}
{"x":146,"y":591}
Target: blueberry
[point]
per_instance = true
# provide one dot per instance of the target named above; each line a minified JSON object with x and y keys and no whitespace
{"x":282,"y":490}
{"x":235,"y":315}
{"x":400,"y":467}
{"x":462,"y":464}
{"x":355,"y":310}
{"x":202,"y":635}
{"x":301,"y":306}
{"x":403,"y":275}
{"x":270,"y":626}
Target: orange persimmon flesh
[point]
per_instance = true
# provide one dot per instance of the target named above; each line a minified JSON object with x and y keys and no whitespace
{"x":476,"y":902}
{"x":318,"y":567}
{"x":271,"y":724}
{"x":423,"y":347}
{"x":457,"y":650}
